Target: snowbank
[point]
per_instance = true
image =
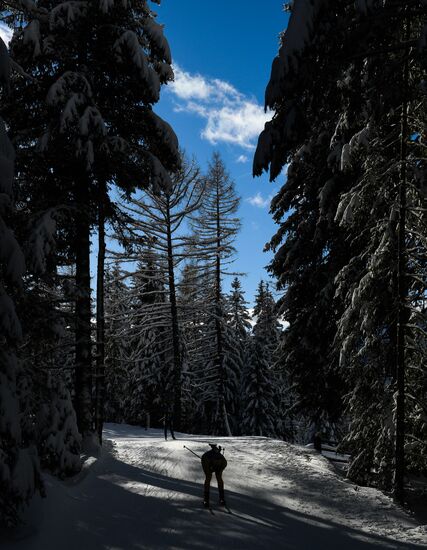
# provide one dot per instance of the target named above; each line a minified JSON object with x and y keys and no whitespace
{"x":146,"y":494}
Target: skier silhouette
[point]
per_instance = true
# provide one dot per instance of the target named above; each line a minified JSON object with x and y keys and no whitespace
{"x":317,"y":441}
{"x":168,"y":422}
{"x":213,"y":462}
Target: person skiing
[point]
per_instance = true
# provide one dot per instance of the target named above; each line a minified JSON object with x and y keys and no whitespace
{"x":213,"y":462}
{"x":317,"y":441}
{"x":168,"y":422}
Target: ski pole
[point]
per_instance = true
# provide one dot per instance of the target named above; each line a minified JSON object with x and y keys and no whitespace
{"x":198,"y":456}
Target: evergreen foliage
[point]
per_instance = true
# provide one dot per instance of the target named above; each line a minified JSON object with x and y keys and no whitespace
{"x":82,"y":152}
{"x":19,"y":467}
{"x":117,"y":349}
{"x":237,"y":350}
{"x":350,"y":250}
{"x":216,"y":227}
{"x":259,"y":405}
{"x":155,"y":237}
{"x":92,"y":120}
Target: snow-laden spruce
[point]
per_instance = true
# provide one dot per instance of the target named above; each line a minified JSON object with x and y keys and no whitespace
{"x":259,"y":403}
{"x":215,"y":227}
{"x":238,"y":330}
{"x":348,"y":124}
{"x":19,"y":468}
{"x":157,"y":242}
{"x":86,"y":127}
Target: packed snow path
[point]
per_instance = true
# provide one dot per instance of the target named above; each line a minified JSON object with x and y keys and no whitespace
{"x":146,"y":493}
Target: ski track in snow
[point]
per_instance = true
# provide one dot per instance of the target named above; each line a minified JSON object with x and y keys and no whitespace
{"x":146,"y":493}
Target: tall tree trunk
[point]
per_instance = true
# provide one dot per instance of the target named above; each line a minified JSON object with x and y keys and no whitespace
{"x":176,"y":340}
{"x":83,"y":310}
{"x":402,"y":289}
{"x":100,"y":322}
{"x":220,"y":353}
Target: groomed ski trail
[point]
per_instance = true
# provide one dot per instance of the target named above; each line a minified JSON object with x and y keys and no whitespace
{"x":146,"y":493}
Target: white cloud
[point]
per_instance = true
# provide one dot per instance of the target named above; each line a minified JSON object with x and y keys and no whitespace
{"x":5,"y":33}
{"x":189,"y":86}
{"x":186,"y":86}
{"x":259,"y":201}
{"x":231,"y":117}
{"x":242,"y":159}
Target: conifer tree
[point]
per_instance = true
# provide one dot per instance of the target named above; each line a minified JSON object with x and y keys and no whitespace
{"x":382,"y":286}
{"x":59,"y":441}
{"x":259,"y":406}
{"x":239,"y":318}
{"x":84,"y":56}
{"x":19,"y":470}
{"x":216,"y":227}
{"x":192,"y":321}
{"x":117,"y":345}
{"x":237,"y":331}
{"x":47,"y":358}
{"x":308,"y":251}
{"x":344,"y":255}
{"x":156,"y":232}
{"x":150,"y":365}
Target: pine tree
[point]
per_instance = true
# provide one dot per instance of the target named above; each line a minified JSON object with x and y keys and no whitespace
{"x":259,"y":406}
{"x":58,"y":438}
{"x":307,"y":247}
{"x":384,"y":283}
{"x":192,"y":322}
{"x":237,"y":333}
{"x":19,"y":471}
{"x":216,"y":227}
{"x":345,"y":252}
{"x":47,"y":359}
{"x":90,"y":140}
{"x":150,"y":365}
{"x":239,"y":317}
{"x":47,"y":253}
{"x":159,"y":218}
{"x":117,"y":345}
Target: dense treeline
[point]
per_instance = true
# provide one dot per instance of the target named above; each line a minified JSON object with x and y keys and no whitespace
{"x":350,"y":252}
{"x":177,"y":346}
{"x":83,"y":154}
{"x":79,"y":107}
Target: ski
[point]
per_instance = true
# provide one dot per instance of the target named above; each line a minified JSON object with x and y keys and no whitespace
{"x":207,"y":507}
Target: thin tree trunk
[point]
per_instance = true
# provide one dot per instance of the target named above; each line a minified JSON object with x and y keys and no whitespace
{"x":227,"y":425}
{"x":220,"y":353}
{"x":83,"y":310}
{"x":177,"y":383}
{"x":100,"y":323}
{"x":402,"y":289}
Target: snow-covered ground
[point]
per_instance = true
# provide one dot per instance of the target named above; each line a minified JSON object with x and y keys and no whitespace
{"x":146,"y":493}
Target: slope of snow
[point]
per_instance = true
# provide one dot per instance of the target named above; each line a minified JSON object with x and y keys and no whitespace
{"x":145,"y":493}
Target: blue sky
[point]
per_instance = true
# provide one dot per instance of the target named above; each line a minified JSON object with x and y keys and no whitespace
{"x":222,"y":53}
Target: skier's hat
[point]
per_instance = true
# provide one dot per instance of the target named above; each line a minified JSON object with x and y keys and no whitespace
{"x":214,"y":446}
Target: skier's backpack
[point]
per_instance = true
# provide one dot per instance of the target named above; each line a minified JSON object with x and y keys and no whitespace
{"x":213,"y":460}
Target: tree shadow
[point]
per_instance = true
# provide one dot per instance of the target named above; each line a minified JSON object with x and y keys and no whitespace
{"x":121,"y":506}
{"x":120,"y":517}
